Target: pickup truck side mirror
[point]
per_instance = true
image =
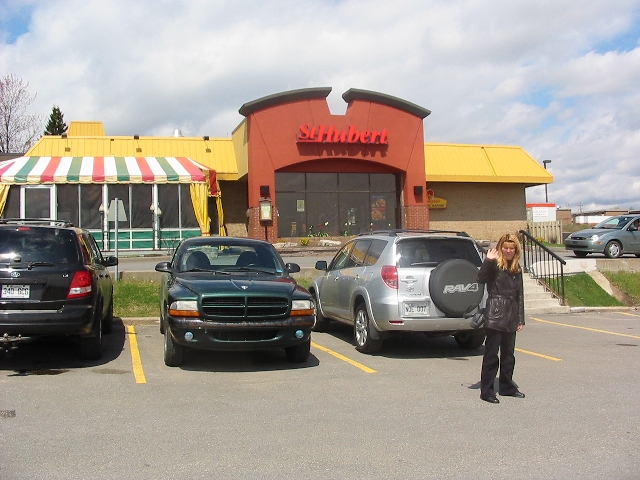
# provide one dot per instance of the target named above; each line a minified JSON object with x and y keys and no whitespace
{"x":292,"y":267}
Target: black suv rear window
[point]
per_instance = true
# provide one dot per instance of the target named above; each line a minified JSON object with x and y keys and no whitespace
{"x":433,"y":251}
{"x":33,"y":244}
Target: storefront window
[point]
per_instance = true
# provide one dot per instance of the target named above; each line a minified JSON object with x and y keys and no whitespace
{"x":121,"y":192}
{"x":187,"y":215}
{"x":170,"y":208}
{"x":141,"y":200}
{"x":91,"y":199}
{"x":176,"y":207}
{"x":322,"y":182}
{"x":334,"y":204}
{"x":68,"y":203}
{"x":12,"y":207}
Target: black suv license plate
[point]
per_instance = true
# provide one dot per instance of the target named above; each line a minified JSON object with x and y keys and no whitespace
{"x":16,"y":291}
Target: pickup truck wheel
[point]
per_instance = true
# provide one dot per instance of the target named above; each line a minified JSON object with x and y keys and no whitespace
{"x":91,"y":345}
{"x":362,"y":332}
{"x":322,"y":323}
{"x":468,"y":340}
{"x":298,"y":353}
{"x":173,"y":352}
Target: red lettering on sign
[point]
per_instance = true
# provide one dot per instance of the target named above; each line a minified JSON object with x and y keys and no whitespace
{"x":329,"y":134}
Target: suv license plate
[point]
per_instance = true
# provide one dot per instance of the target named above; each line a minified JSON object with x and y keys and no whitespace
{"x":15,"y":291}
{"x":416,"y":309}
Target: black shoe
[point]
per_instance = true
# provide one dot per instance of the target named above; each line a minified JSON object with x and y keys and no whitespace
{"x":516,"y":394}
{"x":492,"y":399}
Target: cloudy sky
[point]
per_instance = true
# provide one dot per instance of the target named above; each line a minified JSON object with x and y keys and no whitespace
{"x":559,"y":78}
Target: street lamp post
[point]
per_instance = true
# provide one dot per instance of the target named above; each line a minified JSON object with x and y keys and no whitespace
{"x":546,"y":196}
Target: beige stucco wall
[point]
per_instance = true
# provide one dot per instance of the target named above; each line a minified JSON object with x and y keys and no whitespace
{"x":483,"y":210}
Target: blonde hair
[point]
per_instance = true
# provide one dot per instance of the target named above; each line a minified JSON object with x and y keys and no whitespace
{"x":514,"y":265}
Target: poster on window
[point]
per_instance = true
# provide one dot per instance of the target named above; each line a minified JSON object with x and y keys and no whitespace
{"x":378,"y":208}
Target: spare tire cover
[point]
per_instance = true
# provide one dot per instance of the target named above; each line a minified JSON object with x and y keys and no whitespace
{"x":454,"y":287}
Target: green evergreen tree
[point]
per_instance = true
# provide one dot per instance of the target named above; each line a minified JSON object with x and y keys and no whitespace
{"x":56,"y":125}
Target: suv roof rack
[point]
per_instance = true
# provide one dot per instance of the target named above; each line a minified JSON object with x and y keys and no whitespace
{"x":395,"y":232}
{"x":36,"y":221}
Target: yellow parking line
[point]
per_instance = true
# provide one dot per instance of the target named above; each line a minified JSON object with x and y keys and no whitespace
{"x":587,"y":328}
{"x":136,"y":361}
{"x":539,"y":355}
{"x":343,"y":358}
{"x":630,"y":314}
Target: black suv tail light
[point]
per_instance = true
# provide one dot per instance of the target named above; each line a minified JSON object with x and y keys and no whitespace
{"x":80,"y":285}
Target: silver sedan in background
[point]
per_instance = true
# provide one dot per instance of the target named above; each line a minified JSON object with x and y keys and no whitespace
{"x":613,"y":237}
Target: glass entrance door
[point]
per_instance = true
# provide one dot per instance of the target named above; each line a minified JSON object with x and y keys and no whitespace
{"x":333,"y":204}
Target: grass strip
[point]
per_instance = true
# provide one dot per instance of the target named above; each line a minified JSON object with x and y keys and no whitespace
{"x":582,"y":291}
{"x":628,"y":282}
{"x":136,"y":298}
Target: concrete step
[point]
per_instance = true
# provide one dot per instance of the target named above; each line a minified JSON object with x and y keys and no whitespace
{"x":538,"y":301}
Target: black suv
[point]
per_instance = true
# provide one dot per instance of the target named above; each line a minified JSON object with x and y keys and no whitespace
{"x":54,"y":281}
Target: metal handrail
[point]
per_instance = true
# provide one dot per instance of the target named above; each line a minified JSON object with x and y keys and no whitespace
{"x":543,"y":265}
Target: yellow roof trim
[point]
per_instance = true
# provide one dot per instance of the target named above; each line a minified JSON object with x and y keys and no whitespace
{"x":445,"y":162}
{"x":215,"y":153}
{"x":93,"y":129}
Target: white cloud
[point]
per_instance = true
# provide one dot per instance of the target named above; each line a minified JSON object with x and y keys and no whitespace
{"x":553,"y":76}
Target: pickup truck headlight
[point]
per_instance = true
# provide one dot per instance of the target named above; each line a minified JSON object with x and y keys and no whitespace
{"x":302,"y":307}
{"x":184,"y":308}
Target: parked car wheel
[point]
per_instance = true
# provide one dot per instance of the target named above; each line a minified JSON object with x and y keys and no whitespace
{"x":173,"y":352}
{"x":362,"y":332}
{"x":162,"y":322}
{"x":580,"y":254}
{"x":613,"y":249}
{"x":298,"y":353}
{"x":469,"y":341}
{"x":322,"y":323}
{"x":91,"y":345}
{"x":107,"y":322}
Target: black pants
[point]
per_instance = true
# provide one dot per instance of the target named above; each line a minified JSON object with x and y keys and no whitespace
{"x":506,"y":343}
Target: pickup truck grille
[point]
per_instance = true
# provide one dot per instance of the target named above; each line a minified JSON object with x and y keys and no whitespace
{"x":238,"y":309}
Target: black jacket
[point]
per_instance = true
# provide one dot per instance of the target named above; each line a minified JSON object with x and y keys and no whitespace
{"x":505,"y":302}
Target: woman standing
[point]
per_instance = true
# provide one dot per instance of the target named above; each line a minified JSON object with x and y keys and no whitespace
{"x":504,"y":316}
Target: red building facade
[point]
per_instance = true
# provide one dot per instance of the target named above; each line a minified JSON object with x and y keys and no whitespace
{"x":314,"y":173}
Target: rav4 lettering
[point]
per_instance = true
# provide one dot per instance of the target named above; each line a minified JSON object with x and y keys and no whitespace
{"x":461,"y":288}
{"x":324,"y":134}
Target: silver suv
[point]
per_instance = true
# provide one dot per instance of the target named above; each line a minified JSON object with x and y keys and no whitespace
{"x":402,"y":281}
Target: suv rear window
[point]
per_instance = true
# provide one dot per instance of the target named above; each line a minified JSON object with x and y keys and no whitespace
{"x":32,"y":244}
{"x":433,"y":251}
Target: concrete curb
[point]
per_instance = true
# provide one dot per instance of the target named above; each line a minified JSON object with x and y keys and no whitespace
{"x":603,"y":309}
{"x":139,"y":320}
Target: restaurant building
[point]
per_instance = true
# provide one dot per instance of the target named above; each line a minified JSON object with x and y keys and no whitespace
{"x":290,"y":169}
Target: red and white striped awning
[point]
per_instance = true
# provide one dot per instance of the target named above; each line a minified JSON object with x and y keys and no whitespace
{"x":43,"y":170}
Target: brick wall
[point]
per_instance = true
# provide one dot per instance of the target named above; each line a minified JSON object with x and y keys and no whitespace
{"x":263,"y":230}
{"x":416,"y":216}
{"x":485,"y":211}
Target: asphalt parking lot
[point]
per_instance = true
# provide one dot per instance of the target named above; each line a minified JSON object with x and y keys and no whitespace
{"x":413,"y":411}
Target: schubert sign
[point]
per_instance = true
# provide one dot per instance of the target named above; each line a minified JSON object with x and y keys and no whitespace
{"x":329,"y":134}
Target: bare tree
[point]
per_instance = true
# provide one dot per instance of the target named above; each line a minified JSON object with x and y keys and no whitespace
{"x":18,"y":129}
